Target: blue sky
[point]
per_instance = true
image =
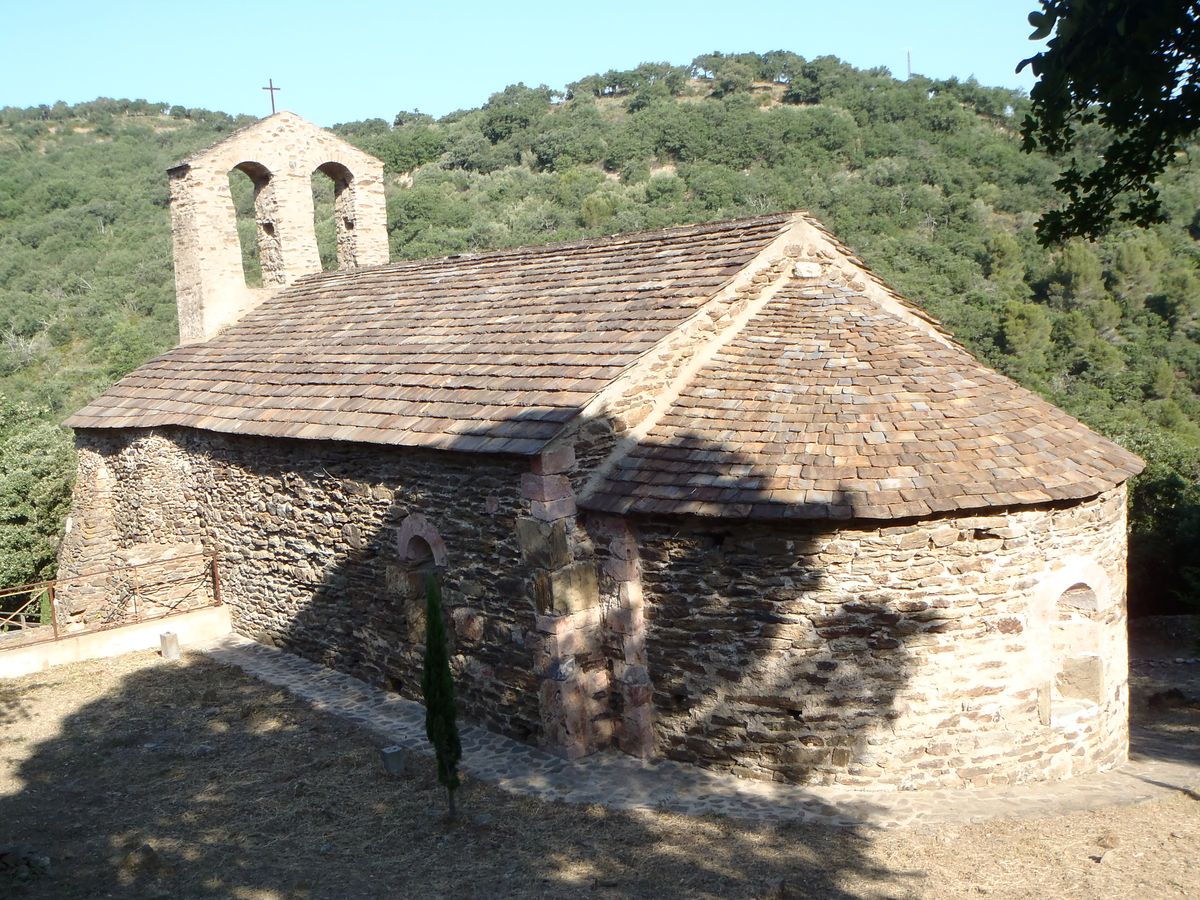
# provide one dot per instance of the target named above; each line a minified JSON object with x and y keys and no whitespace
{"x":343,"y":61}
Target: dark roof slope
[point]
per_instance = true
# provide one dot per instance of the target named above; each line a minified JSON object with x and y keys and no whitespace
{"x":825,"y":405}
{"x":490,"y":352}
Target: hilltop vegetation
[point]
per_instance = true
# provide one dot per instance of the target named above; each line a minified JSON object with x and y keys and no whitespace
{"x":923,"y":178}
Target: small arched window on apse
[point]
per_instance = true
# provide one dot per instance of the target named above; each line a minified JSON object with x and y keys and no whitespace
{"x":1075,"y":603}
{"x":1079,"y":668}
{"x":1077,"y":600}
{"x":333,"y":215}
{"x":254,"y":204}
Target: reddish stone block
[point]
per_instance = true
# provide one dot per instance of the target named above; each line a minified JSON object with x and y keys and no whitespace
{"x":545,"y":487}
{"x":621,"y":569}
{"x":636,"y":733}
{"x":554,"y":462}
{"x":637,"y":694}
{"x":623,"y":546}
{"x":550,"y":510}
{"x":630,"y":593}
{"x":627,"y":620}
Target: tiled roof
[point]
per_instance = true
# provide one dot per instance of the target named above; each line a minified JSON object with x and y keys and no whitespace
{"x":490,"y":352}
{"x":831,"y":397}
{"x":826,"y":405}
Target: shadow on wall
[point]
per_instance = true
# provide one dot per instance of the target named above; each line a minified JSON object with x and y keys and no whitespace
{"x":761,"y":663}
{"x":748,"y":671}
{"x":318,"y":569}
{"x":239,"y":790}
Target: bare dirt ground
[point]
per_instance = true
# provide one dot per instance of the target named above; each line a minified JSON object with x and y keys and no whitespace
{"x":139,"y":778}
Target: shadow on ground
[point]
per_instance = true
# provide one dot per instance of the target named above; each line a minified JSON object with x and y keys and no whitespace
{"x":1164,"y":688}
{"x":242,"y":791}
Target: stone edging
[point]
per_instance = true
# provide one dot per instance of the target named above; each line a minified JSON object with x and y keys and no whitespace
{"x":618,"y":781}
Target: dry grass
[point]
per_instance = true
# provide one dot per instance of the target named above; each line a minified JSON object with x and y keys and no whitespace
{"x":244,"y":792}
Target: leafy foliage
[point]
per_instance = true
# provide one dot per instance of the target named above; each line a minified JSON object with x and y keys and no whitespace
{"x":437,"y":690}
{"x":37,"y":469}
{"x":1133,"y":69}
{"x":924,"y":178}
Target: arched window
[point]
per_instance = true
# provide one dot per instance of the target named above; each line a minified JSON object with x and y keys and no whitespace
{"x":1079,"y":669}
{"x":1079,"y":598}
{"x":422,"y":554}
{"x":242,"y":189}
{"x":333,"y":215}
{"x":418,"y":538}
{"x":419,"y":556}
{"x":254,"y":203}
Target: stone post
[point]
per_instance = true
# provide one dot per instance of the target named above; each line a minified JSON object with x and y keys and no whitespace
{"x":567,"y":643}
{"x":625,"y":637}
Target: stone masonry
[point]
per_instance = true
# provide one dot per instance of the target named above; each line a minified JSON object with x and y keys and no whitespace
{"x":906,"y":655}
{"x":972,"y":650}
{"x":280,"y":155}
{"x":310,"y":556}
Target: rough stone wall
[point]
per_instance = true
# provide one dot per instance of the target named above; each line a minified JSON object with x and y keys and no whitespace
{"x":912,"y":655}
{"x":567,"y":644}
{"x":308,"y":536}
{"x":280,"y":154}
{"x":958,"y":651}
{"x":103,"y":589}
{"x":90,"y":542}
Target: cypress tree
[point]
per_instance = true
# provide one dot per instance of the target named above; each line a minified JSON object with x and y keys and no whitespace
{"x":437,"y":685}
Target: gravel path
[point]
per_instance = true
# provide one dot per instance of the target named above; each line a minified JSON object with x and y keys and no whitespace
{"x":1160,"y":764}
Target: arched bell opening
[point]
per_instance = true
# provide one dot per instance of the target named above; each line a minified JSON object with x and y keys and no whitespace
{"x":334,"y":215}
{"x":256,"y":208}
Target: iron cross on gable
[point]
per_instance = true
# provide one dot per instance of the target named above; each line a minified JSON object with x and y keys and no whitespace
{"x":271,"y":87}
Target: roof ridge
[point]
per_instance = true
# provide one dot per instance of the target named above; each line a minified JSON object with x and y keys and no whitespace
{"x":830,"y":404}
{"x":869,"y":284}
{"x":701,"y":356}
{"x":606,"y":241}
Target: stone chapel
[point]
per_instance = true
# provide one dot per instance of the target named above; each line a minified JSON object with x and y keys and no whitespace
{"x":714,"y":493}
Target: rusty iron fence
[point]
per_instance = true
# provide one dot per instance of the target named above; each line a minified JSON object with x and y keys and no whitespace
{"x":66,"y":607}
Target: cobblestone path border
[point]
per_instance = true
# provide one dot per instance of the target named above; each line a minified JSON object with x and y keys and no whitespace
{"x":617,"y":781}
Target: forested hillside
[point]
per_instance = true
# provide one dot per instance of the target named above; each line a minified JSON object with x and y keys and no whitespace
{"x":925,"y":179}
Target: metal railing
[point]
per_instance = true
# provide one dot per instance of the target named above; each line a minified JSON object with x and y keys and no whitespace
{"x":65,"y":607}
